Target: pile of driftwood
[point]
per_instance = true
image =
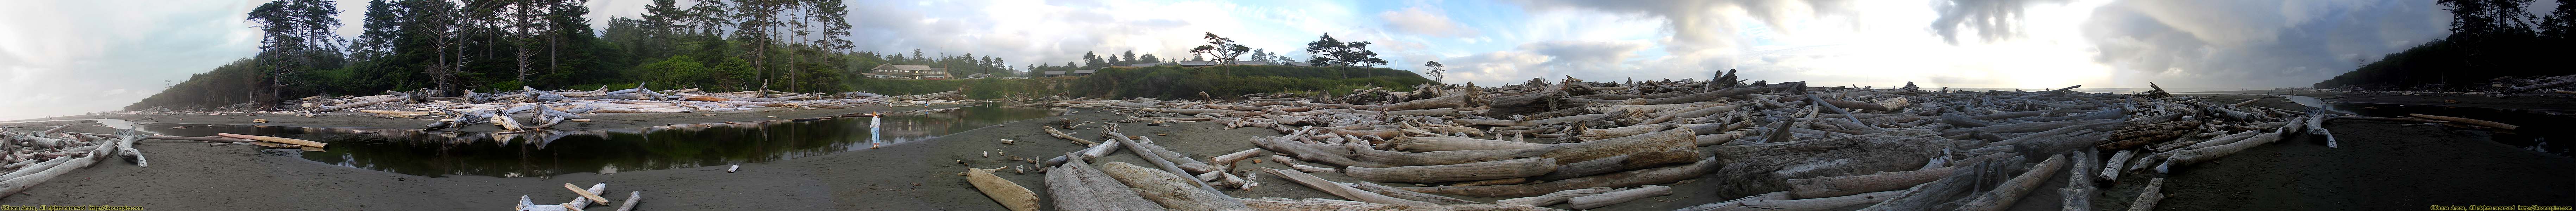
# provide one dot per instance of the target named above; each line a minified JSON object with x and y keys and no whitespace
{"x":34,"y":157}
{"x":532,"y":109}
{"x":1595,"y":144}
{"x":2517,"y":85}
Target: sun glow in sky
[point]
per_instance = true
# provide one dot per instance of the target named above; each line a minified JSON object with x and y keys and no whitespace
{"x":67,"y":57}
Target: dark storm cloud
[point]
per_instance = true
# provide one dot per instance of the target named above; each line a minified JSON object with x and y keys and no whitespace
{"x":2219,"y":43}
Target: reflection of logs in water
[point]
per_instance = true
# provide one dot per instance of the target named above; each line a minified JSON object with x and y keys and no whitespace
{"x":544,"y":153}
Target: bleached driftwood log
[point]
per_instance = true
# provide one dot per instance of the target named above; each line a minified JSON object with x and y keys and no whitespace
{"x":1931,"y":194}
{"x":1283,"y":204}
{"x":1068,"y":136}
{"x":1407,"y":195}
{"x":631,"y":198}
{"x":1658,"y":175}
{"x":20,"y":182}
{"x":1168,"y":189}
{"x":301,"y":142}
{"x":1833,"y":186}
{"x":2010,"y":191}
{"x":1451,"y":143}
{"x":1553,"y":198}
{"x":357,"y":104}
{"x":1096,"y":150}
{"x":2484,"y":123}
{"x":1616,"y":197}
{"x":1337,"y":189}
{"x":1767,"y":167}
{"x":1524,"y":167}
{"x":2194,"y":156}
{"x":1011,"y":195}
{"x":1078,"y":186}
{"x":2149,"y":195}
{"x":577,"y":202}
{"x":1780,"y":201}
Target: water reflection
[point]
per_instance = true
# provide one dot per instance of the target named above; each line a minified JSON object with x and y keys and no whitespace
{"x":543,"y":154}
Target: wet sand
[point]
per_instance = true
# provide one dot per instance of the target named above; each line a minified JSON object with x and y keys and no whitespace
{"x":2539,"y":101}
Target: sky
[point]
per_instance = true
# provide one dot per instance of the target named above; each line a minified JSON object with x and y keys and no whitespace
{"x":61,"y":58}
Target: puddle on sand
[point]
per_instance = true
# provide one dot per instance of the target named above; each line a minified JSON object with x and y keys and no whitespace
{"x":437,"y":153}
{"x":2548,"y":131}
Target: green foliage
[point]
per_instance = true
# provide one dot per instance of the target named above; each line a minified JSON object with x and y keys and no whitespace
{"x":2489,"y":39}
{"x":1174,"y":82}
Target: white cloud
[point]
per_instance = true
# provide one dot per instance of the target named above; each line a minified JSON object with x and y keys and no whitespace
{"x":68,"y":57}
{"x":2257,"y":44}
{"x":1419,"y":20}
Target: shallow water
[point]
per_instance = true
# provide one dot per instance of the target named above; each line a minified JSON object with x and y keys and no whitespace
{"x":438,"y":153}
{"x":2540,"y":130}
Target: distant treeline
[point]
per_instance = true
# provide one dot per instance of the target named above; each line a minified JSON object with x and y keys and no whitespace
{"x":452,"y":46}
{"x":1227,"y":81}
{"x":2489,"y":39}
{"x":1168,"y":82}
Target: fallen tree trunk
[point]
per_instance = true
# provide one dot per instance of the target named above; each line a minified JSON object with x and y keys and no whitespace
{"x":2149,"y":195}
{"x":1780,"y":201}
{"x":1068,"y":136}
{"x":2485,"y":123}
{"x":1701,"y":97}
{"x":1407,"y":195}
{"x":1767,"y":167}
{"x":356,"y":104}
{"x":1650,"y":176}
{"x":1346,"y":192}
{"x":1616,"y":197}
{"x":1448,"y":143}
{"x":1931,"y":194}
{"x":2193,"y":156}
{"x":1822,"y":187}
{"x":1283,"y":204}
{"x":1362,"y":156}
{"x":1096,"y":150}
{"x":1011,"y":195}
{"x":1468,"y":98}
{"x":1157,"y":158}
{"x":1080,"y":187}
{"x":1554,"y":198}
{"x":1168,"y":189}
{"x":2135,"y":135}
{"x":1586,"y":168}
{"x":300,"y":142}
{"x":20,"y":183}
{"x":1524,"y":167}
{"x":2004,"y":195}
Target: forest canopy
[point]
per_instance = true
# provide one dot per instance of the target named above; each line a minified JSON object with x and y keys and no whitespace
{"x":448,"y":47}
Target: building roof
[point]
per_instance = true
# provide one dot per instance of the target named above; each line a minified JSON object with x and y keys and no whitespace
{"x":1054,"y":73}
{"x":1085,"y":71}
{"x":1144,"y":64}
{"x":906,"y":67}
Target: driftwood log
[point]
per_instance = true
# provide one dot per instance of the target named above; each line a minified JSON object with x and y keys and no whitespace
{"x":1616,"y":197}
{"x":1337,"y":189}
{"x":1524,"y":167}
{"x":1168,"y":189}
{"x":1011,"y":195}
{"x":1078,"y":186}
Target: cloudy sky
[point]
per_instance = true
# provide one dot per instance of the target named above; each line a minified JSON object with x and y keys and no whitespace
{"x":68,"y":57}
